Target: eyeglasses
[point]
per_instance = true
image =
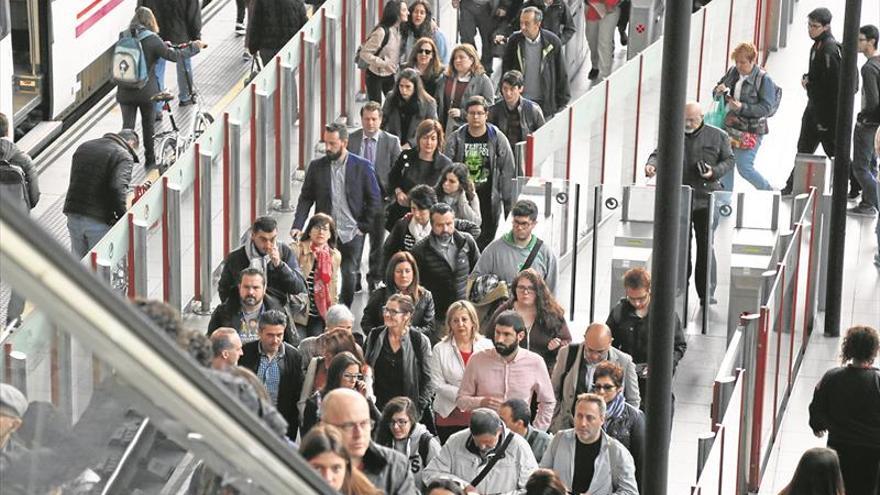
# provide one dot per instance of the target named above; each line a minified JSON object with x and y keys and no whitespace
{"x":353,"y":376}
{"x":525,"y":289}
{"x":392,"y":311}
{"x":400,"y":423}
{"x":349,"y":427}
{"x":600,"y":387}
{"x":426,"y":52}
{"x":522,"y":223}
{"x":322,"y":228}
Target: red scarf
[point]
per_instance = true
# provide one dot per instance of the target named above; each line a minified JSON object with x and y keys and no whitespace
{"x":323,"y":271}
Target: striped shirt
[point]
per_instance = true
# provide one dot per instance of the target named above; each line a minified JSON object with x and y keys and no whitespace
{"x":310,"y":289}
{"x":269,"y":372}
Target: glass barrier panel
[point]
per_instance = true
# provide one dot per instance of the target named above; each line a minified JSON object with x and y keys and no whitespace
{"x":649,"y":113}
{"x":718,"y":283}
{"x":719,"y":473}
{"x":694,"y":55}
{"x":757,"y":210}
{"x":770,"y":377}
{"x":716,"y":56}
{"x":587,"y":138}
{"x":742,"y":22}
{"x":550,"y":148}
{"x":623,"y":99}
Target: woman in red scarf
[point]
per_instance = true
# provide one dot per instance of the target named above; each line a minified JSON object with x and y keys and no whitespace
{"x":319,"y":259}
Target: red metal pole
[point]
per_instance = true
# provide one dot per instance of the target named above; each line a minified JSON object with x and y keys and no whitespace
{"x":729,"y":33}
{"x":530,"y":155}
{"x":638,"y":118}
{"x":798,"y":236}
{"x":758,"y":404}
{"x":605,"y":129}
{"x":811,"y":301}
{"x":226,"y":184}
{"x":278,"y":129}
{"x":322,"y":62}
{"x":130,"y":290}
{"x":166,"y":255}
{"x":302,"y":101}
{"x":253,"y":153}
{"x":197,"y":237}
{"x":782,"y":271}
{"x":702,"y":48}
{"x":94,"y":258}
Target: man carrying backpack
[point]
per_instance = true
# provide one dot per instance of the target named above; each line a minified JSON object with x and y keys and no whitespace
{"x":20,"y":184}
{"x":752,"y":97}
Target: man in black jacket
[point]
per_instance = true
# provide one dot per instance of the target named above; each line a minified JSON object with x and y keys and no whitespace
{"x":180,"y":21}
{"x":707,"y":157}
{"x":517,"y":117}
{"x":537,"y":53}
{"x":271,"y":24}
{"x":557,"y":19}
{"x":271,"y":257}
{"x":278,"y":365}
{"x":243,"y":312}
{"x":10,"y":153}
{"x":445,"y":259}
{"x":100,"y":175}
{"x":628,"y":322}
{"x":820,"y":117}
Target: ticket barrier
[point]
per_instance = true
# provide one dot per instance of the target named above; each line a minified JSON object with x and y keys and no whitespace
{"x":624,"y":227}
{"x":753,"y":251}
{"x":645,"y":25}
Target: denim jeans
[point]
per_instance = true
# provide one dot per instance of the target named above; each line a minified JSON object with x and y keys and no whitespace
{"x":864,"y":163}
{"x":745,"y":163}
{"x":85,"y":232}
{"x":184,"y":77}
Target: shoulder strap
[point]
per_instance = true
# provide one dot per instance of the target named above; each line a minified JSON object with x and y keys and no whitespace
{"x":415,"y":341}
{"x":533,"y":254}
{"x":425,"y":446}
{"x":573,"y":350}
{"x":498,"y":454}
{"x":384,"y":39}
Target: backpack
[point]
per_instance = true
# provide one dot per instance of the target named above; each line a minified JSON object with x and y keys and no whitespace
{"x":13,"y":185}
{"x":417,"y":465}
{"x":361,"y":63}
{"x":130,"y":68}
{"x":759,"y":80}
{"x":573,"y":351}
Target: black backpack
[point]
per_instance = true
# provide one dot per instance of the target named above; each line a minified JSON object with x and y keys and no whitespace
{"x":361,"y":63}
{"x":13,"y":185}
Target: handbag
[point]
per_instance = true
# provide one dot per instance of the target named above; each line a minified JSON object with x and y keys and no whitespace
{"x":715,"y":117}
{"x":256,"y":67}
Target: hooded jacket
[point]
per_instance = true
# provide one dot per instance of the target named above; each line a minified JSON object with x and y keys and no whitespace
{"x":100,"y":175}
{"x":501,"y":166}
{"x":411,"y":448}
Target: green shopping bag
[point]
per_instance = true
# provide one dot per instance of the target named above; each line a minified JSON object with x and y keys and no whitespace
{"x":715,"y":117}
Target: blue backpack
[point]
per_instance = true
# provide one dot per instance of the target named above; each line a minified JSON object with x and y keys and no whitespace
{"x":129,"y":63}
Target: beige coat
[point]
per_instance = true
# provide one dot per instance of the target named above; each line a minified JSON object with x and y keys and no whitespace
{"x":303,"y":252}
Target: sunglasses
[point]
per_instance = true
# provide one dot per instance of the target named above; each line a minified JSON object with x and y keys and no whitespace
{"x":426,"y":52}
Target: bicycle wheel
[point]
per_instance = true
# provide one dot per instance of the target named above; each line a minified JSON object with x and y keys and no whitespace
{"x":203,"y":120}
{"x":167,"y":153}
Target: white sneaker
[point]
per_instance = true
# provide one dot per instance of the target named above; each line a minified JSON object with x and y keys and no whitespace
{"x":239,"y":29}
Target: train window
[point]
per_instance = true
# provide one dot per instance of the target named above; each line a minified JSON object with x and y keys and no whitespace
{"x":5,"y":20}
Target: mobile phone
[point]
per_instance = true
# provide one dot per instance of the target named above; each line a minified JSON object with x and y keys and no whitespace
{"x":703,"y":167}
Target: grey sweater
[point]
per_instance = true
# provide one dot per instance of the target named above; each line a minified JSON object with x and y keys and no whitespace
{"x":505,"y":259}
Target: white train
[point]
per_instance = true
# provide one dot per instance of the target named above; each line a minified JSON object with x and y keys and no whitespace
{"x":55,"y":54}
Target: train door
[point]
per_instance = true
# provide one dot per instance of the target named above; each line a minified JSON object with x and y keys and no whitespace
{"x":29,"y":31}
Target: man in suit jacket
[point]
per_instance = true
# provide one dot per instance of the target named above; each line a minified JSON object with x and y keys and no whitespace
{"x":574,"y":376}
{"x":381,"y":150}
{"x":342,"y":185}
{"x":278,"y":365}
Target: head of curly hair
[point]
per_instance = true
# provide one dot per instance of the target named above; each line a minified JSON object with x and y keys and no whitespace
{"x":860,"y":344}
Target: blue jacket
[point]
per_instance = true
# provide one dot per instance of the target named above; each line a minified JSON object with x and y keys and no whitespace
{"x":361,"y":189}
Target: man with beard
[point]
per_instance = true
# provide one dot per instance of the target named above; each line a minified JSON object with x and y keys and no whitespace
{"x":243,"y":312}
{"x":467,"y":454}
{"x":344,"y":186}
{"x":573,"y":373}
{"x":272,"y":258}
{"x":445,"y":258}
{"x":507,"y":372}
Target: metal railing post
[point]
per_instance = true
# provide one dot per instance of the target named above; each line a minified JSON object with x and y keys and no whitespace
{"x":797,"y":208}
{"x":519,"y":157}
{"x":103,"y":270}
{"x":309,"y":117}
{"x":704,"y":446}
{"x":18,"y":370}
{"x":138,"y":252}
{"x":350,"y":42}
{"x":205,"y":227}
{"x":750,"y":335}
{"x":66,"y":382}
{"x":286,"y":87}
{"x":233,"y":185}
{"x":172,"y":246}
{"x":264,"y":113}
{"x":330,"y":35}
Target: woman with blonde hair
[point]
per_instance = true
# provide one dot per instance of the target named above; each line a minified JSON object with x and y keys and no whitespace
{"x":324,"y":449}
{"x":450,"y":357}
{"x":464,"y":77}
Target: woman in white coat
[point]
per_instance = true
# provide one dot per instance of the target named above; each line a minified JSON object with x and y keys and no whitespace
{"x":450,"y":357}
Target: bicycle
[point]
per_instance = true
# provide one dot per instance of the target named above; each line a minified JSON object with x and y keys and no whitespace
{"x":171,"y":144}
